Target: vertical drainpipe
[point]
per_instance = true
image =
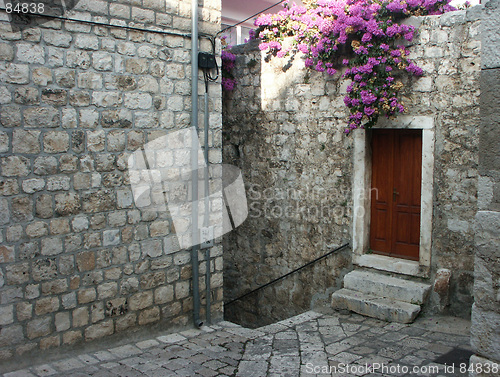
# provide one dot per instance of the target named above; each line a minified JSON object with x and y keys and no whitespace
{"x":207,"y":208}
{"x":194,"y":162}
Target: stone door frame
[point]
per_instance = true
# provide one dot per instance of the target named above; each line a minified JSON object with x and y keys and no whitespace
{"x":362,"y":203}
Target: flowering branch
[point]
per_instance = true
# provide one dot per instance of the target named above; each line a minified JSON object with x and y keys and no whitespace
{"x":368,"y":30}
{"x":228,"y":59}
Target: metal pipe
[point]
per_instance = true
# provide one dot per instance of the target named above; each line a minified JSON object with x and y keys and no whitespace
{"x":194,"y":163}
{"x":207,"y":207}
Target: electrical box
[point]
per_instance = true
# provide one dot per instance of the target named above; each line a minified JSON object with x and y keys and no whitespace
{"x":206,"y":60}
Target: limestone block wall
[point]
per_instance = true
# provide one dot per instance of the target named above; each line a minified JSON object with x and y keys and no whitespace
{"x":78,"y":259}
{"x":485,"y":328}
{"x":283,"y":126}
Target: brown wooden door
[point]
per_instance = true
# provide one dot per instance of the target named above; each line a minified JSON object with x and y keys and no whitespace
{"x":395,"y":194}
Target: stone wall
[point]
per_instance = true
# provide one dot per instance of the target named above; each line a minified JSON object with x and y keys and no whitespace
{"x":485,"y":329}
{"x":78,"y":259}
{"x":283,"y":126}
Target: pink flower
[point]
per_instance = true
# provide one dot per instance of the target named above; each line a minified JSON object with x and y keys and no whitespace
{"x":304,"y":48}
{"x":369,"y":111}
{"x":228,"y":84}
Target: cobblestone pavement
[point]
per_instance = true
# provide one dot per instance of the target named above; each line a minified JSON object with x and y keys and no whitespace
{"x":311,"y":344}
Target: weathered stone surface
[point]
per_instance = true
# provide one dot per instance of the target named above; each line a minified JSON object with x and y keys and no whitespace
{"x":56,"y":97}
{"x":80,"y":223}
{"x":26,"y":96}
{"x":87,"y":42}
{"x":149,"y":316}
{"x":99,"y":330}
{"x":485,"y":337}
{"x":442,"y":288}
{"x":11,"y":335}
{"x":87,"y":295}
{"x":67,"y":203}
{"x":107,"y":99}
{"x":41,"y":117}
{"x":80,"y":317}
{"x":45,"y":165}
{"x":26,"y":141}
{"x":24,"y":311}
{"x":9,"y":187}
{"x":72,"y":337}
{"x":152,"y":248}
{"x":141,"y":300}
{"x":54,"y":287}
{"x":33,"y":185}
{"x":6,"y":52}
{"x":46,"y":305}
{"x":16,"y":74}
{"x":4,"y":142}
{"x":58,"y":183}
{"x":76,"y":101}
{"x":98,"y":201}
{"x":55,"y":38}
{"x":15,"y":166}
{"x":102,"y":61}
{"x":62,"y":321}
{"x":44,"y":207}
{"x":44,"y":269}
{"x":59,"y":226}
{"x":386,"y":286}
{"x":37,"y":229}
{"x":65,"y":77}
{"x":135,"y":101}
{"x":107,"y":290}
{"x":51,"y":246}
{"x":56,"y":142}
{"x":489,"y":51}
{"x":488,"y":149}
{"x":10,"y":116}
{"x":42,"y":76}
{"x":30,"y":53}
{"x":374,"y":306}
{"x":22,"y":208}
{"x":6,"y":254}
{"x":68,"y":164}
{"x":39,"y":327}
{"x":78,"y":59}
{"x":29,"y":250}
{"x":96,"y":141}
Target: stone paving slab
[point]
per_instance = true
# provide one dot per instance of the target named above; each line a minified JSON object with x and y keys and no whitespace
{"x":311,"y":344}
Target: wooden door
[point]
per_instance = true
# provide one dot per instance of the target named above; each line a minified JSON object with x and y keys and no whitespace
{"x":395,"y":193}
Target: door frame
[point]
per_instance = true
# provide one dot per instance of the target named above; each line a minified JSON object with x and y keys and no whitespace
{"x":362,"y":202}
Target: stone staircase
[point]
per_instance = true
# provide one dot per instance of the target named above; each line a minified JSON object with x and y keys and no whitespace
{"x":393,"y":299}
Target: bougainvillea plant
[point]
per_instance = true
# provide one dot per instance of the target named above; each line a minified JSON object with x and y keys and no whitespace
{"x":228,"y":59}
{"x":364,"y":31}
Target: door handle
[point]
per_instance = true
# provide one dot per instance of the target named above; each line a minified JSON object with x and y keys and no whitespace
{"x":394,"y":193}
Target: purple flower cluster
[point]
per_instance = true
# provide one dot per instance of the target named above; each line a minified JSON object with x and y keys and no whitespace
{"x":228,"y":59}
{"x":370,"y":28}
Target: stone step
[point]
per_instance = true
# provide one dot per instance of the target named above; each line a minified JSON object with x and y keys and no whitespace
{"x":387,"y":286}
{"x":375,"y":306}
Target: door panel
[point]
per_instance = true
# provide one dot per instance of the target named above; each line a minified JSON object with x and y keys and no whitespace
{"x":381,"y":210}
{"x":396,"y":178}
